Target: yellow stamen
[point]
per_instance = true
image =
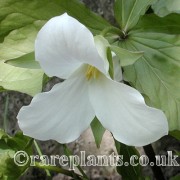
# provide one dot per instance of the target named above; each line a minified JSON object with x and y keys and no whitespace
{"x":92,"y":72}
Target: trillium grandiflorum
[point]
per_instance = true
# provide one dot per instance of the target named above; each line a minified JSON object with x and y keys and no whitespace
{"x":67,"y":49}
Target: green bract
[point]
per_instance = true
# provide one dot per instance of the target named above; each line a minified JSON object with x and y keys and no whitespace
{"x":98,"y":131}
{"x":126,"y":57}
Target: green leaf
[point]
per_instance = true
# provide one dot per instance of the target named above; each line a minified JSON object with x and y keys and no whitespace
{"x":21,"y":20}
{"x":126,"y":57}
{"x":156,"y":74}
{"x":98,"y":131}
{"x":175,"y":134}
{"x":27,"y":81}
{"x":26,"y":61}
{"x":128,"y":12}
{"x":126,"y":170}
{"x":8,"y":147}
{"x":17,"y":142}
{"x":20,"y":41}
{"x":152,"y":23}
{"x":165,"y":7}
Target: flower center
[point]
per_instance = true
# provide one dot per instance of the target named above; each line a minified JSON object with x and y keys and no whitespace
{"x":92,"y":72}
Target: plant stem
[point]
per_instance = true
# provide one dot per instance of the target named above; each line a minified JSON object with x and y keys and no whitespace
{"x":156,"y":169}
{"x":40,"y":154}
{"x":5,"y":122}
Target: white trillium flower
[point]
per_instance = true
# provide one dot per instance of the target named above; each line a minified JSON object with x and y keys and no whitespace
{"x":67,"y":49}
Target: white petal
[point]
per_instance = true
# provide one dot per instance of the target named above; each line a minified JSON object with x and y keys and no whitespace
{"x":61,"y":114}
{"x":63,"y":44}
{"x":122,"y":110}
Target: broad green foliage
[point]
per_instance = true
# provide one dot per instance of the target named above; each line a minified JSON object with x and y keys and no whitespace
{"x":21,"y":79}
{"x":126,"y":57}
{"x":128,"y":12}
{"x":26,"y":61}
{"x":165,"y":7}
{"x":20,"y":22}
{"x":152,"y":23}
{"x":19,"y":41}
{"x":8,"y":147}
{"x":157,"y":73}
